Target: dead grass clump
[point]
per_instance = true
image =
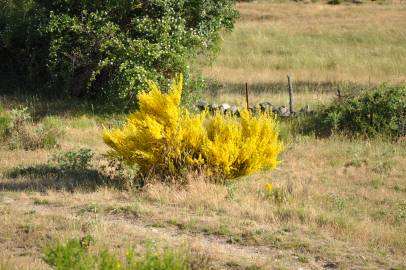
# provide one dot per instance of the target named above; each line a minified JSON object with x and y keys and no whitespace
{"x":7,"y":264}
{"x":198,"y":192}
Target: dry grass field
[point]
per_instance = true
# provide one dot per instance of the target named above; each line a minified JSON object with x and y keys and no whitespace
{"x":314,"y":42}
{"x":337,"y":203}
{"x":323,"y":47}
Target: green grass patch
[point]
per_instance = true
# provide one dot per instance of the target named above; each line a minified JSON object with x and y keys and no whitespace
{"x":75,"y":254}
{"x":83,"y":122}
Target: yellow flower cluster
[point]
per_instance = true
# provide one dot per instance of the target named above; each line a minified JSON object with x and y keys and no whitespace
{"x":164,"y":138}
{"x":269,"y":188}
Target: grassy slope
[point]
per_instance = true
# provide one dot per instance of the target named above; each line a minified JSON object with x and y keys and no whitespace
{"x":337,"y":202}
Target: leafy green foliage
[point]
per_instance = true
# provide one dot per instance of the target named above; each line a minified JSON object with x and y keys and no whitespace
{"x":371,"y":113}
{"x":193,"y":90}
{"x":4,"y":126}
{"x":72,"y":255}
{"x":23,"y":45}
{"x":4,"y":122}
{"x":75,"y":255}
{"x":73,"y":160}
{"x":110,"y":48}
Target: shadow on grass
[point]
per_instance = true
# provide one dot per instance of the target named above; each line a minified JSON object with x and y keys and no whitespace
{"x":42,"y":106}
{"x":42,"y":178}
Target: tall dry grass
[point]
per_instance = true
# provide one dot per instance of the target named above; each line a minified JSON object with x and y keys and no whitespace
{"x":314,"y":42}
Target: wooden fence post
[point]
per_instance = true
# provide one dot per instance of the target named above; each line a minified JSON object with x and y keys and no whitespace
{"x":290,"y":88}
{"x":339,"y":94}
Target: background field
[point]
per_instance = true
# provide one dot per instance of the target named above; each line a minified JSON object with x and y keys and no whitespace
{"x":338,"y":203}
{"x":323,"y":47}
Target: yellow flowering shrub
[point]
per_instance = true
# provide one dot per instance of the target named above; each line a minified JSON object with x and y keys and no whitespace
{"x":163,"y":138}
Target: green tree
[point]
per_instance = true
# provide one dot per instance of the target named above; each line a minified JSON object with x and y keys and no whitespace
{"x":110,"y":48}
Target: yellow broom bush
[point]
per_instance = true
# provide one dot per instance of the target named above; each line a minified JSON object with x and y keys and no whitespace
{"x":162,"y":138}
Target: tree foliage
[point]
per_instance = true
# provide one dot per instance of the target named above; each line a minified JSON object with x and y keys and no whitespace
{"x":110,"y":47}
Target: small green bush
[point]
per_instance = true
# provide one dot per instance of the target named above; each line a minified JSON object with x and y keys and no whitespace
{"x":18,"y":131}
{"x":73,"y":160}
{"x":72,"y":255}
{"x":378,"y":112}
{"x":76,"y":255}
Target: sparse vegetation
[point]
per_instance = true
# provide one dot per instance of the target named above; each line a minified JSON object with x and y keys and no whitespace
{"x":76,"y":254}
{"x":17,"y":130}
{"x":73,"y":160}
